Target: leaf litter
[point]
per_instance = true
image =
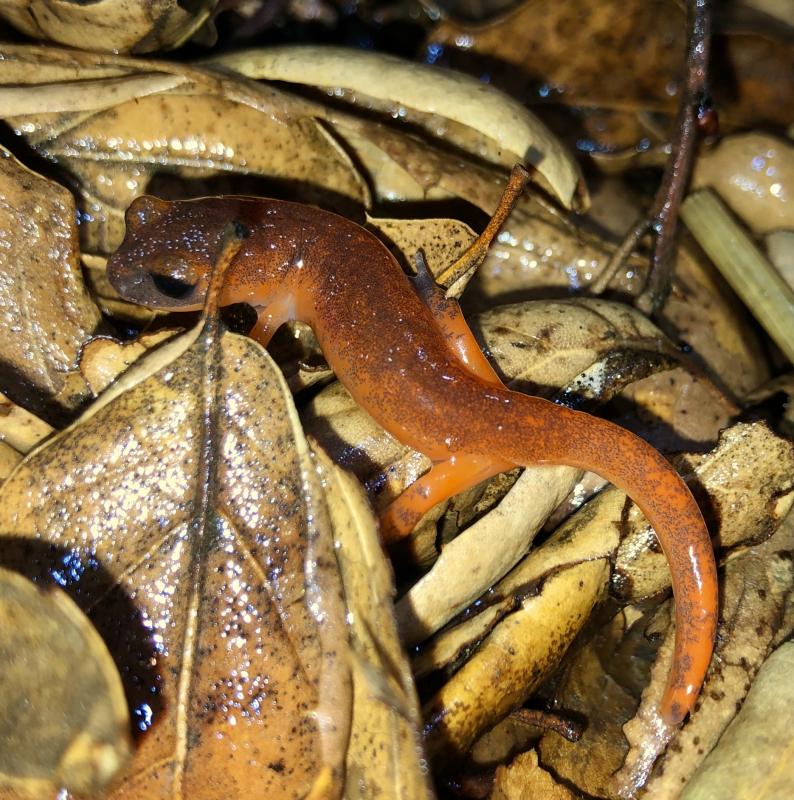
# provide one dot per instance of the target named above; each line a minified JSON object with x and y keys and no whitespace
{"x":92,"y":114}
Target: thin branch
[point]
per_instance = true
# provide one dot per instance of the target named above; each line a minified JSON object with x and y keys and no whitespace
{"x":694,"y":114}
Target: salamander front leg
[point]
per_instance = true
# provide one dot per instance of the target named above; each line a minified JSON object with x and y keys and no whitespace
{"x":444,"y":480}
{"x":271,"y":317}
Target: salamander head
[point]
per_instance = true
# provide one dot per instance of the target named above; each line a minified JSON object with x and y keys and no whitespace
{"x":168,"y":252}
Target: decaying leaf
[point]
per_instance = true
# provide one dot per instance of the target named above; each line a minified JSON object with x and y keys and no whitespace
{"x":103,"y":359}
{"x":138,"y":26}
{"x":541,"y":345}
{"x":63,"y":719}
{"x":183,"y":512}
{"x":485,"y":551}
{"x":754,"y":756}
{"x":45,"y":311}
{"x":384,"y":757}
{"x":747,"y":479}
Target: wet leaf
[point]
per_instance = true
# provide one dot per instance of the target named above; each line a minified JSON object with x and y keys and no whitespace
{"x":447,"y":104}
{"x":138,"y":26}
{"x":384,"y":757}
{"x":540,"y":345}
{"x":614,"y":64}
{"x":45,"y":311}
{"x":522,"y":650}
{"x":204,"y":128}
{"x":754,"y":756}
{"x":539,"y":253}
{"x":64,"y":721}
{"x":218,"y":595}
{"x":754,"y":174}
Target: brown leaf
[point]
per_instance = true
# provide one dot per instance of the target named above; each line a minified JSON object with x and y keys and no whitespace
{"x":384,"y":758}
{"x":483,"y":553}
{"x":137,"y":26}
{"x":183,"y":512}
{"x":65,"y":723}
{"x":20,"y":429}
{"x":524,"y":777}
{"x":542,"y":345}
{"x":204,"y":128}
{"x":746,"y":487}
{"x":755,"y":755}
{"x":46,"y":312}
{"x":103,"y":359}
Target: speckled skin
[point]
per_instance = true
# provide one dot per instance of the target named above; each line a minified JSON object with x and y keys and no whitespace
{"x":390,"y":351}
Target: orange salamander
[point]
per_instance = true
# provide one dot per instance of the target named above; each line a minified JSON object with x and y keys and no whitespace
{"x":405,"y":353}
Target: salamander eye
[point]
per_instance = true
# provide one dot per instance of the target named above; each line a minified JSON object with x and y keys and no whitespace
{"x":172,"y":287}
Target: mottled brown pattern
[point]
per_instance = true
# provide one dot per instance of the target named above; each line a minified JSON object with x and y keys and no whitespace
{"x":390,"y":352}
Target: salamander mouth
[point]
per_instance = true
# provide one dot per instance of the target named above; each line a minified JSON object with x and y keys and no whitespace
{"x":172,"y":287}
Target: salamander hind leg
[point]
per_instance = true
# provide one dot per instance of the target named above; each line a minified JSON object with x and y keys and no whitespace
{"x":449,"y":318}
{"x":444,"y":480}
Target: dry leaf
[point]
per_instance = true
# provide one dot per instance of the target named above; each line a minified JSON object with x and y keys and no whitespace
{"x":9,"y":458}
{"x":64,"y":722}
{"x":45,"y":312}
{"x":524,"y":777}
{"x":597,"y":687}
{"x":753,"y":758}
{"x":184,"y":514}
{"x":746,"y":489}
{"x":103,"y":359}
{"x":20,"y":429}
{"x":384,"y":758}
{"x":757,"y":586}
{"x":430,"y":98}
{"x":483,"y":553}
{"x":754,"y":174}
{"x":138,"y":26}
{"x":541,"y":345}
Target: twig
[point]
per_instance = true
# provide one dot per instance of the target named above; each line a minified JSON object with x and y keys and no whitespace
{"x":694,"y":113}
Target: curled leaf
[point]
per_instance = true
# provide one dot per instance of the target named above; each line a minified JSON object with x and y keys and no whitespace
{"x":509,"y":132}
{"x":521,"y":651}
{"x":754,"y":174}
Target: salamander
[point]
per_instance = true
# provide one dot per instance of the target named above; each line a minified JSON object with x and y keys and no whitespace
{"x":407,"y":356}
